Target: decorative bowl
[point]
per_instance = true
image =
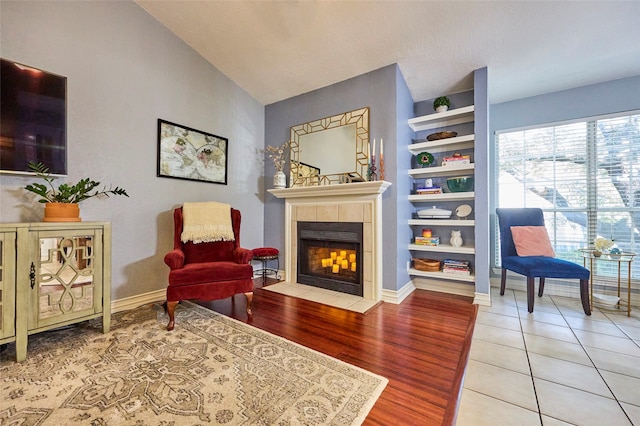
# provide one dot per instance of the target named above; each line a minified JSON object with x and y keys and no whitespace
{"x":460,"y":184}
{"x":441,"y":135}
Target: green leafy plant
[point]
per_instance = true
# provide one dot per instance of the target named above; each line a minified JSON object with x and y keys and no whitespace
{"x":441,"y":101}
{"x":66,"y":193}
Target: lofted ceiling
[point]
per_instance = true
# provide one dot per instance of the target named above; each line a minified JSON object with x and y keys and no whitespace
{"x":278,"y":49}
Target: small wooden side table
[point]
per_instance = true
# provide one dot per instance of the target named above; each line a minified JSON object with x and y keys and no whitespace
{"x":623,"y":257}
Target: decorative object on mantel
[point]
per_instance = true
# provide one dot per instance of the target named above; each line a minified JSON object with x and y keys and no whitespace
{"x":371,"y":172}
{"x":62,"y":202}
{"x":441,"y":104}
{"x":278,"y":155}
{"x":381,"y":159}
{"x":441,"y":135}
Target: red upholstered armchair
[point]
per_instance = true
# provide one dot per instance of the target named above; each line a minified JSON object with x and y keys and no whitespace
{"x":207,"y":271}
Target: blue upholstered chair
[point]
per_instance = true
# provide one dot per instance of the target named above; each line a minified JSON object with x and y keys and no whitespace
{"x":535,"y":266}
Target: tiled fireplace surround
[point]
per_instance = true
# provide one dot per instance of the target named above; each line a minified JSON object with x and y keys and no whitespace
{"x":354,"y":202}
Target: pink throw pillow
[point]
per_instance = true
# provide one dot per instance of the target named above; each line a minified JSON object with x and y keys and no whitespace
{"x":532,"y":241}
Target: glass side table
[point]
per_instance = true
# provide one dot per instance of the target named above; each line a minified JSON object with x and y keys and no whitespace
{"x":590,"y":258}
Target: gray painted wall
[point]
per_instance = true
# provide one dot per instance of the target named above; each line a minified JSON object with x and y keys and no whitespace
{"x":587,"y":101}
{"x":125,"y":71}
{"x":403,"y":183}
{"x":377,"y":90}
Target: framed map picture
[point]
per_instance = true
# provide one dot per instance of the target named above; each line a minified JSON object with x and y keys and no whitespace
{"x":186,"y":153}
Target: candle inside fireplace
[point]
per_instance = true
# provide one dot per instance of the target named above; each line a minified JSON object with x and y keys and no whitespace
{"x":335,"y":269}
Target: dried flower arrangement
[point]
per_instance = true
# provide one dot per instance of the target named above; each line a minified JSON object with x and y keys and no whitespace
{"x":278,"y":154}
{"x":602,"y":244}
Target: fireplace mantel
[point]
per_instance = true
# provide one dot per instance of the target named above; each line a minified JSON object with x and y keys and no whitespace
{"x":349,"y":202}
{"x":357,"y":188}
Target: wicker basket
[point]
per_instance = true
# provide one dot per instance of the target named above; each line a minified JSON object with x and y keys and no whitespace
{"x":426,"y":265}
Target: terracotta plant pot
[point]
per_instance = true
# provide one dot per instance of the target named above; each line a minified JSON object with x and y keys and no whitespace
{"x":61,"y":212}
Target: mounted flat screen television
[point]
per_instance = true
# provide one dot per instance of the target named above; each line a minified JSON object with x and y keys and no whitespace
{"x":33,"y":119}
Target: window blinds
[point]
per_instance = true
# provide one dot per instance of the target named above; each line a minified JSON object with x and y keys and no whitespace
{"x":585,"y":175}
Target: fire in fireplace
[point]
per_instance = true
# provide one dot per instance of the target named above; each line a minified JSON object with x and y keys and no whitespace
{"x":330,"y":256}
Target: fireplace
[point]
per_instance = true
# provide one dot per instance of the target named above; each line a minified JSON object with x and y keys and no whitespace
{"x":330,"y":256}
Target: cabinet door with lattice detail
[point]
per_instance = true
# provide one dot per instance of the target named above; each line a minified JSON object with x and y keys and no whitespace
{"x":65,"y":276}
{"x":7,"y":285}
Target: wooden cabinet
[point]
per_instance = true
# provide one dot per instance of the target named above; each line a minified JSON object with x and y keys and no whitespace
{"x":59,"y":273}
{"x":7,"y":285}
{"x":441,"y":148}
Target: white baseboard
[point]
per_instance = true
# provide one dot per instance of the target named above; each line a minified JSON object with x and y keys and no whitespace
{"x":482,"y":299}
{"x":398,"y":296}
{"x":141,"y":299}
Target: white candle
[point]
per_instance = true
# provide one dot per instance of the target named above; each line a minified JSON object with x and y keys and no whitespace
{"x":335,"y":269}
{"x":352,"y":258}
{"x":343,"y":254}
{"x":334,"y":255}
{"x":353,"y":267}
{"x":373,"y":150}
{"x":381,"y":148}
{"x":368,"y":149}
{"x":345,"y":264}
{"x":324,"y":263}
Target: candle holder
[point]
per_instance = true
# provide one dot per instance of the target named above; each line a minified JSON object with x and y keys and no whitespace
{"x":381,"y":167}
{"x":371,"y":173}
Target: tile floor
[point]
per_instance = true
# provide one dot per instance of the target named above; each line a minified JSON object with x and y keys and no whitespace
{"x":555,"y":366}
{"x":320,"y":295}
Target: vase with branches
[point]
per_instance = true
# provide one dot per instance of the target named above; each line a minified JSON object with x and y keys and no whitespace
{"x":278,"y":154}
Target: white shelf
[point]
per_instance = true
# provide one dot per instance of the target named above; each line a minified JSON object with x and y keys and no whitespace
{"x":442,"y":119}
{"x":442,"y":222}
{"x":443,"y":145}
{"x":463,"y":170}
{"x":443,"y":248}
{"x":442,"y":275}
{"x":447,"y":196}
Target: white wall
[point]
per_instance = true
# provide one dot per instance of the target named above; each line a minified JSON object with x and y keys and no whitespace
{"x":124,"y":72}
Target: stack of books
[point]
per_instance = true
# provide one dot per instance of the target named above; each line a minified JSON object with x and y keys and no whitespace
{"x":456,"y":161}
{"x":457,"y":267}
{"x":427,"y":241}
{"x":429,"y":190}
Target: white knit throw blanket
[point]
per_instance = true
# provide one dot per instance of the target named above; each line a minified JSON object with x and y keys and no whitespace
{"x":206,"y":222}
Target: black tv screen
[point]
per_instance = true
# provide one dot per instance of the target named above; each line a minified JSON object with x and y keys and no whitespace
{"x":33,"y":119}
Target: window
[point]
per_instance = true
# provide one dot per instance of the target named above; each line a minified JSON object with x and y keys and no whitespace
{"x":585,"y":175}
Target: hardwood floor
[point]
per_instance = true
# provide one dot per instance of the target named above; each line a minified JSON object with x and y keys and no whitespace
{"x":421,"y":346}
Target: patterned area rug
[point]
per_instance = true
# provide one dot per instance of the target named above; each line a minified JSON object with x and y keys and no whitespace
{"x":210,"y":370}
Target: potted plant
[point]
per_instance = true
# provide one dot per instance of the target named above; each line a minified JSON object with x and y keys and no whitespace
{"x":441,"y":104}
{"x":62,"y":202}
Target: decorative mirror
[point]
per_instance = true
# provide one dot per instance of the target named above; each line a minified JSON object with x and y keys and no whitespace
{"x":330,"y":150}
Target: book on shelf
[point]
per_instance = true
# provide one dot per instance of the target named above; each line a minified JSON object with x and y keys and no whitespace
{"x":427,"y":241}
{"x":455,"y":163}
{"x":457,"y":158}
{"x":456,"y":271}
{"x":429,"y":190}
{"x":454,"y":266}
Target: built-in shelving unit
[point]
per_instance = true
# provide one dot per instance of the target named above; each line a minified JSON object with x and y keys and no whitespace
{"x":442,"y":119}
{"x":466,"y":142}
